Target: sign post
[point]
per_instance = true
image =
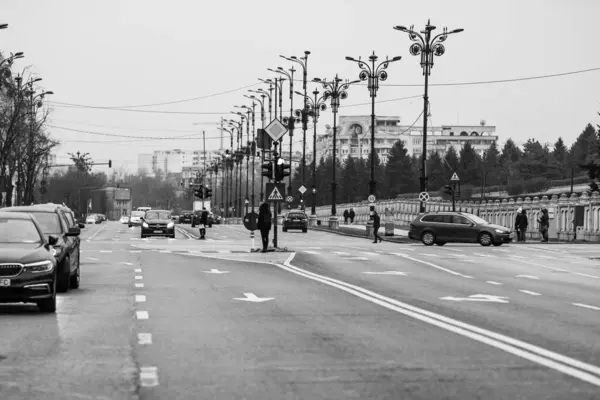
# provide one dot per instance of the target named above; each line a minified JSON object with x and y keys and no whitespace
{"x":275,"y":130}
{"x":455,"y":181}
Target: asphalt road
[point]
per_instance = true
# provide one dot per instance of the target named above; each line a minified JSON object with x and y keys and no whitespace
{"x":334,"y":318}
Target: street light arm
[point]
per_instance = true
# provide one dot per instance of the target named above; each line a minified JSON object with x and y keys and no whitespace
{"x":413,"y":35}
{"x":445,"y":34}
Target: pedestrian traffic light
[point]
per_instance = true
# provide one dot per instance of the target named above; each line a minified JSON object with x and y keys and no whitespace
{"x":207,"y":193}
{"x":267,"y":170}
{"x":282,"y":170}
{"x":109,"y":163}
{"x":449,"y":190}
{"x":199,"y":192}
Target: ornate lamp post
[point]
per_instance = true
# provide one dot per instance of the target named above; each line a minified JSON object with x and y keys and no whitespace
{"x":426,"y":47}
{"x":262,"y":153}
{"x":373,"y":74}
{"x":35,"y":102}
{"x":335,"y":91}
{"x":314,"y":108}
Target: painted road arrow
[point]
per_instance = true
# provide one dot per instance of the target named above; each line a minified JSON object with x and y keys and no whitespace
{"x":528,"y":277}
{"x":478,"y":297}
{"x":215,"y":271}
{"x":251,"y":297}
{"x":385,"y":273}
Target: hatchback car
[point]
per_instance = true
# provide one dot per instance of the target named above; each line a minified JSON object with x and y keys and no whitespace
{"x":27,"y":262}
{"x":135,"y":219}
{"x":91,"y":219}
{"x":158,"y":223}
{"x":295,"y":220}
{"x":54,"y":221}
{"x":442,"y":227}
{"x":124,"y":219}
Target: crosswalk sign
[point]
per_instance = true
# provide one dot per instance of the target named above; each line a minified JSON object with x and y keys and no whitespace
{"x":454,"y":178}
{"x":275,"y":191}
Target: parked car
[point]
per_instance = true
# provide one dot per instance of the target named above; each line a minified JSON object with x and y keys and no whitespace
{"x":442,"y":227}
{"x":124,"y":219}
{"x":186,"y":217}
{"x":101,"y":217}
{"x":54,"y":221}
{"x":135,"y":219}
{"x":295,"y":220}
{"x":158,"y":223}
{"x":91,"y":219}
{"x":175,"y":218}
{"x":28,"y":264}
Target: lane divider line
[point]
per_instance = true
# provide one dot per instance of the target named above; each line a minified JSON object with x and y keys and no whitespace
{"x":139,"y":277}
{"x":139,"y":285}
{"x":140,"y":298}
{"x":493,"y":283}
{"x":91,"y":258}
{"x":137,"y":270}
{"x":529,"y":292}
{"x":144,"y":338}
{"x":142,"y":315}
{"x":433,"y":265}
{"x":148,"y":376}
{"x":587,"y":306}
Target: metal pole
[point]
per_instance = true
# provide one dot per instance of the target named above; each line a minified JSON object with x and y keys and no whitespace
{"x":291,"y":128}
{"x":304,"y":121}
{"x":253,"y":154}
{"x":248,"y":154}
{"x":204,"y":167}
{"x":314,"y":167}
{"x":275,"y":203}
{"x":262,"y":151}
{"x":333,"y":182}
{"x":424,"y":155}
{"x":223,"y":173}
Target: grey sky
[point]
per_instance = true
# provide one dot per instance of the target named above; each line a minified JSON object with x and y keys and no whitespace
{"x":124,"y":52}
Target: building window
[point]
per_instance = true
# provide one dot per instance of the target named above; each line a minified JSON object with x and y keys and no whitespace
{"x":463,"y":133}
{"x":474,"y":133}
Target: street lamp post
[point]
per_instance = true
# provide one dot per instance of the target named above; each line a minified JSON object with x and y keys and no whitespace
{"x":35,"y":102}
{"x":262,"y":153}
{"x":373,"y":74}
{"x":335,"y":91}
{"x":313,"y":109}
{"x":291,"y":119}
{"x":426,"y":47}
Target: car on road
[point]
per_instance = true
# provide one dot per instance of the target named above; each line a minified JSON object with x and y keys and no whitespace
{"x":135,"y":219}
{"x":28,"y":266}
{"x":443,"y":227}
{"x":295,"y":220}
{"x":186,"y":217}
{"x":91,"y":219}
{"x":124,"y":219}
{"x":158,"y":223}
{"x":101,"y":217}
{"x":54,"y":221}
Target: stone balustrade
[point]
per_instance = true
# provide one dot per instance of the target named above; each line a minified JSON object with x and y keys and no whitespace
{"x":563,"y":211}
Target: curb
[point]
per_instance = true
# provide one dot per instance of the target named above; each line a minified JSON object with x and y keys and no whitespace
{"x":390,"y":239}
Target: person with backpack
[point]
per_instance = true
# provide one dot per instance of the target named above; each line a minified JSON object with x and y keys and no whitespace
{"x":264,"y":224}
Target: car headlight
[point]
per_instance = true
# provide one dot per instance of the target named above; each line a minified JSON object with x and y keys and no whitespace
{"x":170,"y":225}
{"x":501,"y":231}
{"x":37,"y":267}
{"x":145,"y":225}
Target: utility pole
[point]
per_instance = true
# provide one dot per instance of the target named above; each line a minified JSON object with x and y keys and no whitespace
{"x":204,"y":172}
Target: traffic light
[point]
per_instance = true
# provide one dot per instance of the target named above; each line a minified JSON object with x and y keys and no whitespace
{"x":448,"y":190}
{"x":267,"y":170}
{"x":109,"y":163}
{"x":199,"y":192}
{"x":207,"y":193}
{"x":282,"y":170}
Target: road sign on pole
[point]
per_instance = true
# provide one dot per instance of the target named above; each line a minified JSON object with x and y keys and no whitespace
{"x":454,"y":178}
{"x":289,"y":199}
{"x":275,"y":191}
{"x":302,"y":189}
{"x":424,"y":197}
{"x":276,"y":130}
{"x":371,"y":198}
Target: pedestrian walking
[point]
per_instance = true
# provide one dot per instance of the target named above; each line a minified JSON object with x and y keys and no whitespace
{"x":376,"y":226}
{"x":523,"y":224}
{"x":264,"y":224}
{"x":346,"y":216}
{"x":351,"y":214}
{"x":518,"y":223}
{"x":203,"y":223}
{"x":544,"y":222}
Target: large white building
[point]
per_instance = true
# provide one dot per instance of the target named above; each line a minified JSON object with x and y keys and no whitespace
{"x":172,"y":161}
{"x":353,"y":138}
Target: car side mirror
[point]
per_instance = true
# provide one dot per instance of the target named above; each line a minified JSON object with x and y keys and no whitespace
{"x":74,"y":231}
{"x":81,"y":226}
{"x":52,"y":240}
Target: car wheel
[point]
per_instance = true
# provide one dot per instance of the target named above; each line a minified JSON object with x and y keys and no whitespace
{"x":75,"y":279}
{"x":305,"y":230}
{"x":48,"y":305}
{"x":193,"y":225}
{"x":284,"y":229}
{"x":498,"y":244}
{"x":129,"y":225}
{"x":428,"y":238}
{"x":143,"y":236}
{"x":440,"y":243}
{"x":173,"y":236}
{"x":64,"y":276}
{"x":210,"y":225}
{"x":485,"y":239}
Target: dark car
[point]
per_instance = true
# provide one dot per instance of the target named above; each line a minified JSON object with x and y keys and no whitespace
{"x":186,"y":217}
{"x":295,"y":220}
{"x":28,"y":267}
{"x":198,"y":215}
{"x":55,"y":220}
{"x":442,"y":227}
{"x":158,"y":223}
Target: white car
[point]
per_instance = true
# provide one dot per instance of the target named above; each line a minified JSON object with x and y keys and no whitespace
{"x":136,"y":218}
{"x":91,"y":219}
{"x":124,"y":219}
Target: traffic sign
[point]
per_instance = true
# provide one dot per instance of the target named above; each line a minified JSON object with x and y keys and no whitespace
{"x":371,"y":198}
{"x":454,"y":178}
{"x":250,"y":221}
{"x":274,"y":191}
{"x":276,"y":129}
{"x":424,"y":197}
{"x":290,"y":199}
{"x":302,"y":189}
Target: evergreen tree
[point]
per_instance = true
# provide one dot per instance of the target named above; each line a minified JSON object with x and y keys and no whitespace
{"x":469,"y":168}
{"x":490,"y":165}
{"x":379,"y":176}
{"x":582,"y":151}
{"x":436,"y":173}
{"x":399,"y":172}
{"x":451,"y":162}
{"x":348,"y":189}
{"x":509,"y":157}
{"x":560,"y":153}
{"x":362,"y":181}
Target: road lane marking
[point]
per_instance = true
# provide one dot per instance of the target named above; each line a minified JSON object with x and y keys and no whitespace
{"x":216,"y":271}
{"x":586,"y":275}
{"x":587,"y":306}
{"x":105,"y":251}
{"x":135,"y":251}
{"x":528,"y":277}
{"x":484,"y":255}
{"x":142,"y":315}
{"x":139,"y":277}
{"x":341,"y":253}
{"x":144,"y":338}
{"x":126,"y":263}
{"x":165,"y":251}
{"x":530,"y":292}
{"x":140,"y":298}
{"x":558,"y":269}
{"x":252,"y":298}
{"x":451,"y":249}
{"x":493,"y":282}
{"x":369,"y":253}
{"x":314,"y":248}
{"x":223,"y":251}
{"x":137,"y":270}
{"x":433,"y":265}
{"x":311,"y":252}
{"x":139,"y":285}
{"x":552,"y":360}
{"x":94,"y":235}
{"x":91,"y":258}
{"x":148,"y":376}
{"x":428,"y":255}
{"x":357,"y":258}
{"x":486,"y":298}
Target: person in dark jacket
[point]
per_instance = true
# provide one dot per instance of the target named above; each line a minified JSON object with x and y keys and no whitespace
{"x":518,"y":223}
{"x":523,"y":224}
{"x":376,"y":226}
{"x":346,"y":216}
{"x":351,"y":215}
{"x":203,"y":223}
{"x":264,"y":224}
{"x":544,"y":222}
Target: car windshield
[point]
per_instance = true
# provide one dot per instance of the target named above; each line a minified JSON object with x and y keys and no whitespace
{"x":49,"y":222}
{"x":137,"y":214}
{"x":157,"y":215}
{"x":18,"y":231}
{"x":476,"y":219}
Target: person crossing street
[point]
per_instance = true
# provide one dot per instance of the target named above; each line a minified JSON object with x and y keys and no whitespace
{"x":203,"y":223}
{"x":264,"y":224}
{"x":376,"y":226}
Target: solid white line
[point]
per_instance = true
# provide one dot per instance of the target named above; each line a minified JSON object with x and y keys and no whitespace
{"x":543,"y":266}
{"x":139,"y":277}
{"x":519,"y":348}
{"x":223,"y":251}
{"x":126,"y":263}
{"x":451,"y":249}
{"x":369,"y":253}
{"x":493,"y":283}
{"x":341,"y":253}
{"x":144,"y":338}
{"x":148,"y":376}
{"x":140,"y":298}
{"x":135,"y":251}
{"x":91,"y":258}
{"x":139,"y":285}
{"x":105,"y":251}
{"x":586,"y":275}
{"x":431,"y":265}
{"x":587,"y":306}
{"x":311,"y":252}
{"x":529,"y":292}
{"x":142,"y":314}
{"x":357,"y":258}
{"x":137,"y":270}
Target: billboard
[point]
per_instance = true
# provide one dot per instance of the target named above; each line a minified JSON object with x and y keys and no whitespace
{"x":122,"y":194}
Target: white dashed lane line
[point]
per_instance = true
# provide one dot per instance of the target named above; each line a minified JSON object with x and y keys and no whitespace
{"x":493,"y":282}
{"x":587,"y":306}
{"x":529,"y":292}
{"x":140,"y":298}
{"x":91,"y":258}
{"x":148,"y":376}
{"x":105,"y":251}
{"x":139,"y":285}
{"x":137,"y":270}
{"x":126,"y":263}
{"x":139,"y":277}
{"x":142,"y":315}
{"x":144,"y":338}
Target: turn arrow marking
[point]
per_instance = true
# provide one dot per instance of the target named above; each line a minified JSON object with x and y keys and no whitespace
{"x":385,"y":273}
{"x":478,"y":297}
{"x":216,"y":271}
{"x":251,"y":297}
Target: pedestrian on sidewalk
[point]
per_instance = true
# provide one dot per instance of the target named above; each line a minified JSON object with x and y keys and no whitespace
{"x":544,"y":222}
{"x":346,"y":216}
{"x":523,"y":224}
{"x":264,"y":224}
{"x":351,"y":214}
{"x":203,"y":223}
{"x":376,"y":226}
{"x":518,"y":223}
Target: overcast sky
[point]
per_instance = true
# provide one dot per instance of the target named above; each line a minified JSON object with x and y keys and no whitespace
{"x":115,"y":53}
